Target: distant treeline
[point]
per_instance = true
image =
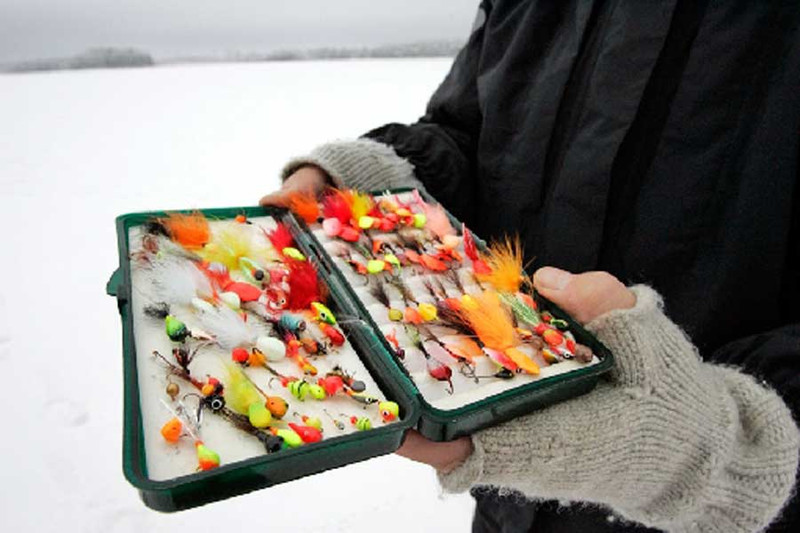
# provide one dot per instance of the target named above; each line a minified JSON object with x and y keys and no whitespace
{"x":130,"y":57}
{"x":420,"y":49}
{"x":93,"y":58}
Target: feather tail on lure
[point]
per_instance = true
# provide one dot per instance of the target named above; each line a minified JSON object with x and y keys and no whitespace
{"x":304,"y":286}
{"x":190,"y":231}
{"x":243,"y":397}
{"x":524,"y":313}
{"x":178,"y":281}
{"x":437,"y":220}
{"x":235,"y":248}
{"x":305,"y":205}
{"x":493,"y":325}
{"x":505,"y":264}
{"x":227,"y":327}
{"x":361,"y":204}
{"x":335,"y":205}
{"x":280,"y":237}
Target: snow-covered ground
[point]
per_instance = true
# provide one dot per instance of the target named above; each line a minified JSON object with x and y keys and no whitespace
{"x":78,"y":149}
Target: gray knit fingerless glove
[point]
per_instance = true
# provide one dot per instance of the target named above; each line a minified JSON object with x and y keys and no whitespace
{"x":669,"y":441}
{"x":362,"y":164}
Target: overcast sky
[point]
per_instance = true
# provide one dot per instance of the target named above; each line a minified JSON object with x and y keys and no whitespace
{"x":32,"y":29}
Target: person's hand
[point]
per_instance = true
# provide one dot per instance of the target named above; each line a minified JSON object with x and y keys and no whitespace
{"x":305,"y":179}
{"x":583,"y":296}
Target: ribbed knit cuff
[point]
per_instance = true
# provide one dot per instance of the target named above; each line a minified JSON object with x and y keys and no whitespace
{"x":669,"y":441}
{"x":361,"y":164}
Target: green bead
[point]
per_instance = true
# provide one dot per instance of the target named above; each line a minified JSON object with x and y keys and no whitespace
{"x":176,"y":330}
{"x":395,"y":315}
{"x":316,"y":392}
{"x":375,"y":266}
{"x":293,"y":253}
{"x":366,"y":222}
{"x":290,"y":438}
{"x":206,"y":457}
{"x":259,"y":415}
{"x":363,"y":424}
{"x":298,"y":389}
{"x":420,"y":220}
{"x":313,"y":422}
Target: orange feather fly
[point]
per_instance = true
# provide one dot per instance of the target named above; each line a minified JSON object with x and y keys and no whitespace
{"x":492,"y":323}
{"x":505,"y":262}
{"x":305,"y":205}
{"x":190,"y":231}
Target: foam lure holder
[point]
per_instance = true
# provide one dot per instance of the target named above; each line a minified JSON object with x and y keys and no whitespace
{"x":261,"y":345}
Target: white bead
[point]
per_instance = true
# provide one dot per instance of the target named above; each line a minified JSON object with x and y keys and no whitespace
{"x":272,"y":348}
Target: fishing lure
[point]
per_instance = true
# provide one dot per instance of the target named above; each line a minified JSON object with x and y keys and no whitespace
{"x":436,"y":369}
{"x":299,"y":388}
{"x":479,"y":266}
{"x":172,"y":431}
{"x":323,"y":314}
{"x":290,"y":438}
{"x":235,"y":248}
{"x":493,"y":326}
{"x":331,"y":333}
{"x":305,"y":205}
{"x":336,"y":422}
{"x":176,"y":330}
{"x":304,"y":287}
{"x":244,"y":398}
{"x":378,"y":291}
{"x":212,"y":397}
{"x":506,"y":272}
{"x":361,"y":423}
{"x":389,"y":411}
{"x":310,"y":421}
{"x":189,"y":230}
{"x":398,"y":350}
{"x":308,"y":434}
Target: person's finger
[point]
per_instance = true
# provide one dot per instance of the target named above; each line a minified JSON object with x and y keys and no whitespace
{"x":443,"y":456}
{"x":306,"y":179}
{"x":277,"y":198}
{"x":584,"y":296}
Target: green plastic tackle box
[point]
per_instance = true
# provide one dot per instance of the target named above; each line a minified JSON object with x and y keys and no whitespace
{"x":229,"y":480}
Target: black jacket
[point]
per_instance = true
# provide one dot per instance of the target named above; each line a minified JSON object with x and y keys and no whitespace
{"x":657,"y":140}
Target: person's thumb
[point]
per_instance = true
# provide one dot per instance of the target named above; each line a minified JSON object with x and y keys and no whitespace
{"x":583,"y":296}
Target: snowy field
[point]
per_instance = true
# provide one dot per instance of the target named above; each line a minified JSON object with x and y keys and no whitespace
{"x":79,"y":148}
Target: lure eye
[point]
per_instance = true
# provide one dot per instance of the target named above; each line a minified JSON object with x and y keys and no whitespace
{"x":258,"y":274}
{"x":216,"y":402}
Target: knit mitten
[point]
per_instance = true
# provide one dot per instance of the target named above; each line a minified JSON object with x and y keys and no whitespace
{"x":668,"y":441}
{"x":362,"y":164}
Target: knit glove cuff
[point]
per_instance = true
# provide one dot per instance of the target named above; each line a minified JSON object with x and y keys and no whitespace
{"x":668,"y":441}
{"x":362,"y":164}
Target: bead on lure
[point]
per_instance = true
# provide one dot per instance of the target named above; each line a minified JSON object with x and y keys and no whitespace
{"x":323,"y":314}
{"x":389,"y":411}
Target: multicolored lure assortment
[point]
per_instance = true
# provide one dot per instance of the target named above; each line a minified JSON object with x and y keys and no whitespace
{"x":245,"y":340}
{"x":242,"y":331}
{"x":459,"y":317}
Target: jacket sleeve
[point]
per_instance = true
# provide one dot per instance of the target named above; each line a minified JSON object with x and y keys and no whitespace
{"x":669,"y":441}
{"x":437,"y":153}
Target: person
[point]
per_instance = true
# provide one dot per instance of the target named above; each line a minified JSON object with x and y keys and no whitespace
{"x":654,"y":143}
